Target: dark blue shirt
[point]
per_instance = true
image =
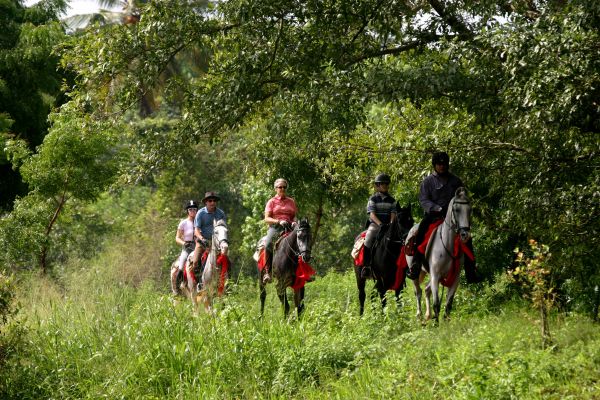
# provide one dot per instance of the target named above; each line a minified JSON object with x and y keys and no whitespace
{"x":438,"y":191}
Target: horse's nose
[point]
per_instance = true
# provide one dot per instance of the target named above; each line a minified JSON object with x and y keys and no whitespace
{"x":224,"y":248}
{"x":306,"y":257}
{"x":465,"y":235}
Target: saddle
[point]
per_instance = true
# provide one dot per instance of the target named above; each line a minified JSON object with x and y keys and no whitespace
{"x":260,"y":245}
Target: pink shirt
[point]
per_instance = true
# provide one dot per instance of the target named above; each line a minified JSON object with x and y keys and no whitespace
{"x":281,"y":208}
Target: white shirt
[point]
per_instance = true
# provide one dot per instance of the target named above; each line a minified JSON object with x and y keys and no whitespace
{"x":187,"y":227}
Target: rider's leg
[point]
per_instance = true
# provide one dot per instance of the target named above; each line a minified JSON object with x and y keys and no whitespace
{"x":471,"y":272}
{"x":197,"y":253}
{"x":414,"y":269}
{"x":372,"y":232}
{"x":272,"y":234}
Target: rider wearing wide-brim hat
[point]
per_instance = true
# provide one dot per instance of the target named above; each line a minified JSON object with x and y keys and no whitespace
{"x":436,"y":192}
{"x":382,"y":209}
{"x":203,"y":223}
{"x":185,"y":238}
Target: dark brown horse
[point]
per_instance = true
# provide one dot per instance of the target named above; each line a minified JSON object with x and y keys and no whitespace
{"x":385,"y":253}
{"x":291,"y":250}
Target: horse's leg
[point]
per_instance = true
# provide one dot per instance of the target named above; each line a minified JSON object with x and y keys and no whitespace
{"x":360,"y":283}
{"x":191,"y":283}
{"x":397,"y":294}
{"x":450,"y":298}
{"x":299,"y":300}
{"x":434,"y":286}
{"x":428,"y":302}
{"x":381,"y":291}
{"x":284,"y":301}
{"x":418,"y":295}
{"x":263,"y":294}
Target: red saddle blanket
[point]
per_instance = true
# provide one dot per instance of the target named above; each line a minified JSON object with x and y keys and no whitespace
{"x":303,"y":271}
{"x":222,"y":261}
{"x":460,"y":248}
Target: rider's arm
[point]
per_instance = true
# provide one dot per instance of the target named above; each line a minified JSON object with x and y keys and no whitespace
{"x":269,"y":219}
{"x":425,"y":197}
{"x":179,"y":237}
{"x":374,"y":218}
{"x":198,"y":233}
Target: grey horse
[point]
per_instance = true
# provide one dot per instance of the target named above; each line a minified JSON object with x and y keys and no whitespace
{"x":442,"y":256}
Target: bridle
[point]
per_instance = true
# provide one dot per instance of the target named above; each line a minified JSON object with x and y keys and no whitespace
{"x":299,"y":253}
{"x":454,"y":226}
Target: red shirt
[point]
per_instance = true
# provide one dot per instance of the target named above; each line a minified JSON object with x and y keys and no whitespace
{"x":281,"y":208}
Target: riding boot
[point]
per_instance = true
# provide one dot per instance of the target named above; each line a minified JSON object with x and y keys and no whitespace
{"x":414,"y":269}
{"x":366,"y":267}
{"x":471,"y":272}
{"x":268,"y":263}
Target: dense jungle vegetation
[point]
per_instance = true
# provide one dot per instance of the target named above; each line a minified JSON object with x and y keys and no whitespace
{"x":107,"y":131}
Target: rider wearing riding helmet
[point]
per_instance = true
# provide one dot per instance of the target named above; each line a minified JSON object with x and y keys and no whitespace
{"x":436,"y":192}
{"x":280,"y":214}
{"x":203,"y":223}
{"x":382,"y":210}
{"x":185,"y":238}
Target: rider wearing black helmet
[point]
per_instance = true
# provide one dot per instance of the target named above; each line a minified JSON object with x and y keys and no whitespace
{"x":185,"y":238}
{"x":435,"y":194}
{"x":382,"y":210}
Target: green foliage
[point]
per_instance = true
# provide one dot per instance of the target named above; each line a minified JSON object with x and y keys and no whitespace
{"x":11,"y":331}
{"x":75,"y":163}
{"x":30,"y":82}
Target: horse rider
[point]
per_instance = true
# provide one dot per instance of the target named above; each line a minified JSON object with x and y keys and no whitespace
{"x":382,"y":210}
{"x":436,"y":192}
{"x":280,"y":214}
{"x":185,"y":238}
{"x":203,"y":223}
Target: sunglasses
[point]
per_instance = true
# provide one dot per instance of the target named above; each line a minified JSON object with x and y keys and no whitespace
{"x":192,"y":209}
{"x":281,"y":187}
{"x":211,"y":200}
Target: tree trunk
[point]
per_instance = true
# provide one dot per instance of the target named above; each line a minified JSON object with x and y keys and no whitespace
{"x":44,"y":252}
{"x":546,"y":338}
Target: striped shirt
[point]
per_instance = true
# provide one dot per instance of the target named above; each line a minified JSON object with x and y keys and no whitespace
{"x":383,"y":205}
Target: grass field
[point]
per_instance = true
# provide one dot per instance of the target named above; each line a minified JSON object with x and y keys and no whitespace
{"x":89,"y":338}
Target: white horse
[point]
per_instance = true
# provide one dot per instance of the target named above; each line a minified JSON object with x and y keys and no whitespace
{"x":199,"y":287}
{"x":443,"y":256}
{"x":216,"y":267}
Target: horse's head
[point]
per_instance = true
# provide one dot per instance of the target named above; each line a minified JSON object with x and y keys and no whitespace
{"x":405,"y":218}
{"x":459,"y":213}
{"x":220,"y":236}
{"x":303,"y":239}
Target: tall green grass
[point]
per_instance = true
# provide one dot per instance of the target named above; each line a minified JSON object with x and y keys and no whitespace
{"x":90,"y":338}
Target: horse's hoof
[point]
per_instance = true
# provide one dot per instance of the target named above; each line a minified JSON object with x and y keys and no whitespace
{"x":266,"y":278}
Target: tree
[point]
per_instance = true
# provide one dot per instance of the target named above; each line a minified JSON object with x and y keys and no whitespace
{"x":75,"y":163}
{"x":30,"y":82}
{"x":508,"y":88}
